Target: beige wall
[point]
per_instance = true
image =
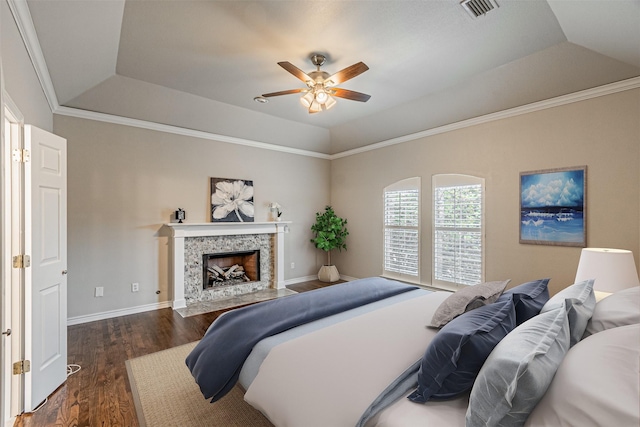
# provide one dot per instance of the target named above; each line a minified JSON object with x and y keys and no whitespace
{"x":124,"y":184}
{"x":602,"y":133}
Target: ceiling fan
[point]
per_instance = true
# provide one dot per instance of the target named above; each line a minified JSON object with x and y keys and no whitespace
{"x":320,"y":90}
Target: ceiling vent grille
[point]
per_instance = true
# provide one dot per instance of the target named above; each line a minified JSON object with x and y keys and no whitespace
{"x":477,"y":8}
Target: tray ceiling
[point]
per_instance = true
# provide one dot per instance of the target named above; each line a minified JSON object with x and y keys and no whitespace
{"x":430,"y":62}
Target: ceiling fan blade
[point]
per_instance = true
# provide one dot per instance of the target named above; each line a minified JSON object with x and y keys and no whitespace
{"x":295,"y":71}
{"x":350,"y":94}
{"x":346,"y":74}
{"x":284,"y":92}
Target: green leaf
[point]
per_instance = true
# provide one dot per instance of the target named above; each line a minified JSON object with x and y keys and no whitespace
{"x":330,"y":231}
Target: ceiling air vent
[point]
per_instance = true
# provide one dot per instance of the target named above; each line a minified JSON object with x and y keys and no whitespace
{"x":477,"y":8}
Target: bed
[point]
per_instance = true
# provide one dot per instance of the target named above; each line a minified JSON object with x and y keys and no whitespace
{"x":410,"y":357}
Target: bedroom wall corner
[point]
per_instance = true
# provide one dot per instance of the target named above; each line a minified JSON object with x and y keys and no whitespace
{"x":602,"y":133}
{"x":124,"y":184}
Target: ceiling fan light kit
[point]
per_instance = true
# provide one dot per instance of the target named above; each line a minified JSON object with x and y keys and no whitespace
{"x":320,"y":92}
{"x":317,"y":98}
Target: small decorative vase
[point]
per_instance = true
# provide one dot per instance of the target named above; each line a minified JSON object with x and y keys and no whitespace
{"x":328,"y":273}
{"x":278,"y":219}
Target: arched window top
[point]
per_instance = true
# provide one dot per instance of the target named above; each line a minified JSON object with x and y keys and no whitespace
{"x":455,"y":179}
{"x":405,"y":184}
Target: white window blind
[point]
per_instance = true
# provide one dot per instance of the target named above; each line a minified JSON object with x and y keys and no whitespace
{"x":401,"y":229}
{"x":458,"y":233}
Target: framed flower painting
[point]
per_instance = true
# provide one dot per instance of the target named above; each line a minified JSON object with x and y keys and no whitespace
{"x":231,"y":200}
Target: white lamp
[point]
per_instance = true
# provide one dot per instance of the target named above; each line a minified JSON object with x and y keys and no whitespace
{"x":612,"y":269}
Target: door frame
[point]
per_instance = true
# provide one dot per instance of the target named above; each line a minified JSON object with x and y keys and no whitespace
{"x":12,"y":243}
{"x":3,"y":379}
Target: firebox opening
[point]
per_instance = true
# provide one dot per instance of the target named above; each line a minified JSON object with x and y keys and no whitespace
{"x":230,"y":268}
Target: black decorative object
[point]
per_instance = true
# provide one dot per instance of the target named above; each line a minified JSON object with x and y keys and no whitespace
{"x":180,"y":215}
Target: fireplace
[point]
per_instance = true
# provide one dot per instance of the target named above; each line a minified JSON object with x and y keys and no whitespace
{"x":188,"y":243}
{"x":230,"y":268}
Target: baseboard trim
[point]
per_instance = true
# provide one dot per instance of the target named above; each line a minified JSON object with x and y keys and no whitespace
{"x":77,"y":320}
{"x":315,"y":277}
{"x":182,"y":303}
{"x":300,"y":280}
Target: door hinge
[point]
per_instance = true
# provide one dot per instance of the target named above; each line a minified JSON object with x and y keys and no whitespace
{"x":21,"y":367}
{"x":20,"y":155}
{"x":21,"y":261}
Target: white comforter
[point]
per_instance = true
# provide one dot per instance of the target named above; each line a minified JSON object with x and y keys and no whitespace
{"x":330,"y":377}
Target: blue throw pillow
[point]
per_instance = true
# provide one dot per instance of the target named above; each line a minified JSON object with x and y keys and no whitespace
{"x":528,"y":298}
{"x":456,"y":354}
{"x":519,"y":370}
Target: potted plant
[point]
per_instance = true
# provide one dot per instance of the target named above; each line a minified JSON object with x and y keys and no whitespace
{"x":330,"y":233}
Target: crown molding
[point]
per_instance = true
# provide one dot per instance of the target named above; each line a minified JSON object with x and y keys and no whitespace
{"x":584,"y":95}
{"x":176,"y":130}
{"x":22,"y":16}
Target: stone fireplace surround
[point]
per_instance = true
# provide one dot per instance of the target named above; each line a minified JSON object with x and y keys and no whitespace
{"x":189,"y":241}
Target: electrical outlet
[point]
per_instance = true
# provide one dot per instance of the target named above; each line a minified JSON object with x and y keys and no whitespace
{"x":293,"y":265}
{"x":99,"y":291}
{"x":135,"y":287}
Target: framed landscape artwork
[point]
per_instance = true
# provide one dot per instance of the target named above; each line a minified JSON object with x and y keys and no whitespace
{"x":553,"y":207}
{"x":231,"y":200}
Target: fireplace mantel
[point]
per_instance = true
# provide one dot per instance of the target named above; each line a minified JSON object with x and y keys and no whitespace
{"x":180,"y":231}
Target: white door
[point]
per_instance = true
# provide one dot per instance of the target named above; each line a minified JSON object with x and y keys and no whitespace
{"x":45,"y":280}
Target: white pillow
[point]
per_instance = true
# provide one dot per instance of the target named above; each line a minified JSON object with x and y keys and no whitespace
{"x":581,"y":301}
{"x":619,"y":309}
{"x":596,"y":383}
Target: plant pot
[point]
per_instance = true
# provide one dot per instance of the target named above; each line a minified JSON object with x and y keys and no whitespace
{"x":328,"y":273}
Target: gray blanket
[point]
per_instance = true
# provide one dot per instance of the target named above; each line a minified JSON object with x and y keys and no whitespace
{"x":217,"y":359}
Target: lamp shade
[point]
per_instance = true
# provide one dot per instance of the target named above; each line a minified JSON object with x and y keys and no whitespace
{"x":307,"y":99}
{"x":330,"y":102}
{"x":612,"y":269}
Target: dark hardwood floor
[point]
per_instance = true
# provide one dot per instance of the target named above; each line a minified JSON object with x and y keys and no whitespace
{"x":99,"y":394}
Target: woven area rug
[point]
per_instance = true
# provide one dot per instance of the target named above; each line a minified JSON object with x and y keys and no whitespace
{"x":165,"y":394}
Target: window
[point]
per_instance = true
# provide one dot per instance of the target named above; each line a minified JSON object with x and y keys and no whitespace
{"x":458,"y":230}
{"x":402,"y":230}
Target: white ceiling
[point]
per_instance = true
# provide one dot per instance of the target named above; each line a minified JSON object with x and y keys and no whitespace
{"x":199,"y":64}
